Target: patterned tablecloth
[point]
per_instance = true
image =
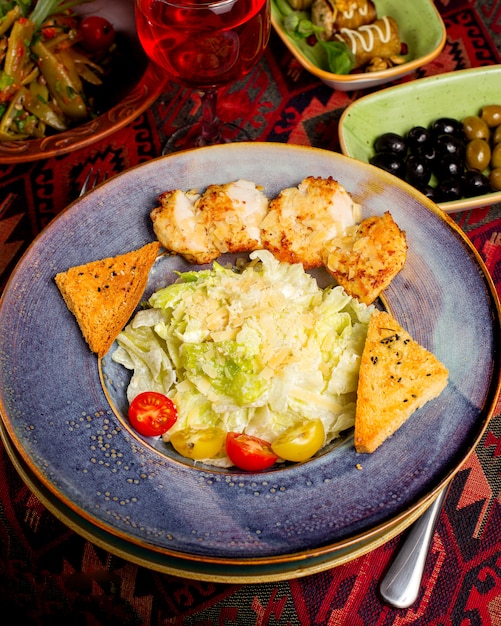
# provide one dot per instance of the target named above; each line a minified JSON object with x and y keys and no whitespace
{"x":51,"y":575}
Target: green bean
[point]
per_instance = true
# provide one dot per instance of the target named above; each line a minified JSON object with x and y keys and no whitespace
{"x":36,"y":105}
{"x":61,"y":82}
{"x":83,"y":65}
{"x":18,"y":53}
{"x":8,"y":118}
{"x":9,"y":18}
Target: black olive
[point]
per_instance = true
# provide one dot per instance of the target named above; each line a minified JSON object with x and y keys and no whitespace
{"x":450,"y":189}
{"x":428,"y":152}
{"x":389,"y":162}
{"x":417,"y":170}
{"x":449,"y":166}
{"x":448,"y":145}
{"x":417,"y":138}
{"x":390,"y":142}
{"x":429,"y":191}
{"x":447,"y":126}
{"x":475,"y":184}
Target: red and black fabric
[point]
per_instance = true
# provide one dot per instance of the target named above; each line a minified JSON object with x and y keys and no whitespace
{"x":51,"y":576}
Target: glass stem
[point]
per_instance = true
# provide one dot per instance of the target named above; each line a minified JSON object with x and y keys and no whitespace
{"x":210,"y":121}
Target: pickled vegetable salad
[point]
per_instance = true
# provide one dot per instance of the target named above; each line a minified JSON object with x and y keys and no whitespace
{"x":252,"y":351}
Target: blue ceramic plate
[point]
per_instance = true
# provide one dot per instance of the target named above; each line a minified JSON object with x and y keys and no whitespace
{"x":62,"y":408}
{"x":253,"y":571}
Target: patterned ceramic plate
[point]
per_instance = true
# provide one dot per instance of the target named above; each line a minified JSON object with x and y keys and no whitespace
{"x":63,"y":409}
{"x":133,"y":85}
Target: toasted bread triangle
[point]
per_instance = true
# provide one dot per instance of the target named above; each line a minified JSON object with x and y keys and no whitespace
{"x":102,"y":295}
{"x":397,"y":376}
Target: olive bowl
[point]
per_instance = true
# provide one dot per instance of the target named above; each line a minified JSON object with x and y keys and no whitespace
{"x":421,"y":102}
{"x":420,"y":27}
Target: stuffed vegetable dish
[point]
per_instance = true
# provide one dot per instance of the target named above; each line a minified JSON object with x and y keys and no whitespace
{"x":346,"y":35}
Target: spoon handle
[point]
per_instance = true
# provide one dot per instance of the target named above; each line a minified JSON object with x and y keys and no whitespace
{"x":401,"y":583}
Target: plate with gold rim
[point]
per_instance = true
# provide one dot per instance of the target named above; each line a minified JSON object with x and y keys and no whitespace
{"x":67,"y":426}
{"x":249,"y":572}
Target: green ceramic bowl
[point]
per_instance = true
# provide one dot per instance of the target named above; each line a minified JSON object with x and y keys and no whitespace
{"x":420,"y":27}
{"x":418,"y":103}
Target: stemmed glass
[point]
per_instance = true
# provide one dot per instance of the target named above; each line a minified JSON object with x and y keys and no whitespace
{"x":204,"y":45}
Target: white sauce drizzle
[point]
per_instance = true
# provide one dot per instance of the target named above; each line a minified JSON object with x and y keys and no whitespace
{"x":352,"y":8}
{"x":367,"y":43}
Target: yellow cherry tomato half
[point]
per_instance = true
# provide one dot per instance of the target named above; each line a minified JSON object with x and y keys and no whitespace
{"x":198,"y":443}
{"x":300,"y":442}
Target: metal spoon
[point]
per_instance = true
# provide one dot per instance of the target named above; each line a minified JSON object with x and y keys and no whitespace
{"x":401,"y":583}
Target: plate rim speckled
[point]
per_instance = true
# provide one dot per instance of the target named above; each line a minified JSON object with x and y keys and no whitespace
{"x":150,"y":84}
{"x":69,"y":437}
{"x":473,"y":80}
{"x":355,"y":81}
{"x":248,"y":573}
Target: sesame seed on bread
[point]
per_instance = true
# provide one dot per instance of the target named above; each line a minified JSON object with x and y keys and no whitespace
{"x":397,"y":377}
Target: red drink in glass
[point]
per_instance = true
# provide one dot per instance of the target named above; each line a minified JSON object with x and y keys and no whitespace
{"x":204,"y":45}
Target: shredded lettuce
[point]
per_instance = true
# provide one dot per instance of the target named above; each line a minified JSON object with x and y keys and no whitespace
{"x":255,"y":350}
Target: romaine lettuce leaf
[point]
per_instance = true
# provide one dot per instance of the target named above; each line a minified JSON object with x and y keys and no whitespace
{"x":255,"y":350}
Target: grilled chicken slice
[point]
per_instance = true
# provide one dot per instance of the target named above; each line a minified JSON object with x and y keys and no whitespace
{"x":365,"y":261}
{"x":225,"y":218}
{"x":232,"y":214}
{"x":302,"y":219}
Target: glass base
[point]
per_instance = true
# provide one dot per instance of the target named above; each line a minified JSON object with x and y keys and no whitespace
{"x":191,"y":136}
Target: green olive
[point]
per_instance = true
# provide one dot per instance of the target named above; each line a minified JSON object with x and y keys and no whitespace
{"x":478,"y":154}
{"x":496,"y":135}
{"x":475,"y":128}
{"x":496,"y":156}
{"x":491,"y":114}
{"x":495,"y":179}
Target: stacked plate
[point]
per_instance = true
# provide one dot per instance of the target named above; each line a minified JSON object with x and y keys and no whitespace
{"x":65,"y":429}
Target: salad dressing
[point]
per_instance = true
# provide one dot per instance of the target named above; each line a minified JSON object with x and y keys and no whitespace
{"x":350,"y":12}
{"x":365,"y":35}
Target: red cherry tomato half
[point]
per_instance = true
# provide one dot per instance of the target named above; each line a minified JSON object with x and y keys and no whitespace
{"x":248,"y":452}
{"x":152,"y":414}
{"x":96,"y":33}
